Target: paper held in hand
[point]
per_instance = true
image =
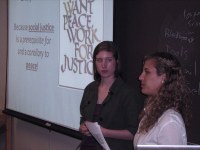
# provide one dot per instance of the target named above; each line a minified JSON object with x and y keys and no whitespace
{"x":95,"y":130}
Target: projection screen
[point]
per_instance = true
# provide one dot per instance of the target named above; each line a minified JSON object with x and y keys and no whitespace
{"x":50,"y":50}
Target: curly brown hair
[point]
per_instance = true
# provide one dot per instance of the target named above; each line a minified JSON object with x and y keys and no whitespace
{"x":174,"y":93}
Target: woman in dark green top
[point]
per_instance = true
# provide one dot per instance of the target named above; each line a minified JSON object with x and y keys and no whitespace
{"x":109,"y":101}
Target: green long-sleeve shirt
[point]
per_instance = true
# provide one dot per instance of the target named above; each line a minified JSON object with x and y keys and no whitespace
{"x":119,"y":111}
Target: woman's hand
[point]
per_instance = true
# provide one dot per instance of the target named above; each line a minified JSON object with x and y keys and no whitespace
{"x":84,"y":130}
{"x":117,"y":134}
{"x":103,"y":130}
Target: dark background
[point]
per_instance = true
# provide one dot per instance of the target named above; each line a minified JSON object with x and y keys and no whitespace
{"x":144,"y":26}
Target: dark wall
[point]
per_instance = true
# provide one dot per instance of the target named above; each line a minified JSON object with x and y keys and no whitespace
{"x":144,"y":26}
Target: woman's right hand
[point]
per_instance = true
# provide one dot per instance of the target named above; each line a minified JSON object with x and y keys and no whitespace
{"x":84,"y":130}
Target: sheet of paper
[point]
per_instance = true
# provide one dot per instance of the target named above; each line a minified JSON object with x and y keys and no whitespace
{"x":95,"y":130}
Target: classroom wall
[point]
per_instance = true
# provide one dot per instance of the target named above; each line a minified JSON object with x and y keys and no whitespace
{"x":3,"y":48}
{"x":31,"y":137}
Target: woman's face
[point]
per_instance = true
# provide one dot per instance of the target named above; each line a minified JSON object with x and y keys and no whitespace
{"x":150,"y":80}
{"x":105,"y":64}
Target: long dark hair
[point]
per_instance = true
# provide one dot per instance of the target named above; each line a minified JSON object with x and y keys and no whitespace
{"x":108,"y":46}
{"x":174,"y":92}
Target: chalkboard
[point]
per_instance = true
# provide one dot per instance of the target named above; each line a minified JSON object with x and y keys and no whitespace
{"x":142,"y":27}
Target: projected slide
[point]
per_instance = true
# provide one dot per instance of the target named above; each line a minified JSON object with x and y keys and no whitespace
{"x":81,"y":29}
{"x":51,"y":43}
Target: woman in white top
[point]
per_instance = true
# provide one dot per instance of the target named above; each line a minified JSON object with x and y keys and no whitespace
{"x":167,"y":107}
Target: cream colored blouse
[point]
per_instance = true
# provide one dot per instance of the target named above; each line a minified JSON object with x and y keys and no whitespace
{"x":169,"y":130}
